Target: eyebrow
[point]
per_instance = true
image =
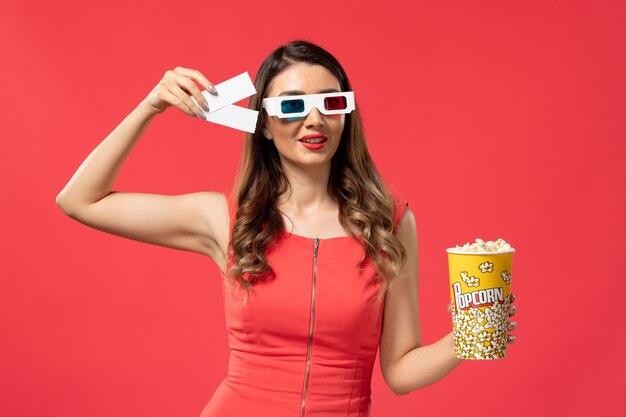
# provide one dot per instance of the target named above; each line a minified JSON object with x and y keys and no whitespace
{"x":300,"y":93}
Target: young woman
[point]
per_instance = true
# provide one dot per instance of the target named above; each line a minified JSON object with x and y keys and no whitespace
{"x":319,"y":260}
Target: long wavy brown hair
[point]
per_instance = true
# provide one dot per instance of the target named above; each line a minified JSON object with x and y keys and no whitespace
{"x":366,"y":208}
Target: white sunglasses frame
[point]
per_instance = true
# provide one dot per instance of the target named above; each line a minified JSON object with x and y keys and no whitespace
{"x":273,"y":108}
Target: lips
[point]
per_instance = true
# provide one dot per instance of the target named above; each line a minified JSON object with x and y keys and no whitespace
{"x":313,"y":136}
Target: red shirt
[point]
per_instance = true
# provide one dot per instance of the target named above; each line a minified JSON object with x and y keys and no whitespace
{"x":305,"y":342}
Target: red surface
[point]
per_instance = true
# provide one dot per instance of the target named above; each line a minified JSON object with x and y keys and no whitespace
{"x":509,"y":123}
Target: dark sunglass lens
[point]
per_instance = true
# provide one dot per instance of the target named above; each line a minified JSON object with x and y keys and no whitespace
{"x":335,"y":103}
{"x":292,"y":106}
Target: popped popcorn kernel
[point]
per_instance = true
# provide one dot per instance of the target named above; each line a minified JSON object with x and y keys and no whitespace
{"x":480,"y":246}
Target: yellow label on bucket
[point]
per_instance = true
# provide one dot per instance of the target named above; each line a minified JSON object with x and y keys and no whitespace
{"x":480,"y":284}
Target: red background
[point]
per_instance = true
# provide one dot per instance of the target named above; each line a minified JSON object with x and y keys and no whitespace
{"x":503,"y":119}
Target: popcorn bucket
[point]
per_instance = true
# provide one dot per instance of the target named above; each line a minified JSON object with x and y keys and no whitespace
{"x":480,"y":287}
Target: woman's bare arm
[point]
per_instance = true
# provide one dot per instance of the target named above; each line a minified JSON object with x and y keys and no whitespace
{"x":191,"y":222}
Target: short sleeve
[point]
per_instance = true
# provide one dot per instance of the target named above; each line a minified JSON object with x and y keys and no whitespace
{"x":401,"y":204}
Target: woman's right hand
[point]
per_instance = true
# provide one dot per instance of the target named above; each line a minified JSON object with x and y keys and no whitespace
{"x":176,"y":88}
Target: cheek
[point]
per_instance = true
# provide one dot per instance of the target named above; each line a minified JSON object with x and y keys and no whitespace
{"x":282,"y":129}
{"x":338,"y":120}
{"x":335,"y":121}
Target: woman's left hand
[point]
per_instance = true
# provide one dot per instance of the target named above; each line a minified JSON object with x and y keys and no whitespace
{"x":512,"y":324}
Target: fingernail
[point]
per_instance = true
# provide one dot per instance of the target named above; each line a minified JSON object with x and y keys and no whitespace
{"x":212,"y":89}
{"x":201,"y":115}
{"x":206,"y":106}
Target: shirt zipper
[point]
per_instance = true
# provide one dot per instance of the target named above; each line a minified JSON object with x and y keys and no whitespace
{"x":309,"y":348}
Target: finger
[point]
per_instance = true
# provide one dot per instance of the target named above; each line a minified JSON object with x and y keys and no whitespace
{"x":510,"y":339}
{"x":512,"y":297}
{"x":512,"y":310}
{"x":199,"y":77}
{"x":183,"y":101}
{"x":178,"y":102}
{"x":512,"y":325}
{"x":190,"y":89}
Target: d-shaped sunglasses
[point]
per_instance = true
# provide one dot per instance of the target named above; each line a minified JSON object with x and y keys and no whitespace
{"x":300,"y":106}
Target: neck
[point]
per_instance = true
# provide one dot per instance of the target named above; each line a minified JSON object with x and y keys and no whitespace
{"x":309,"y":188}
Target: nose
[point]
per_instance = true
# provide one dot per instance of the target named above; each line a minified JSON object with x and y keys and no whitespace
{"x":314,"y":118}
